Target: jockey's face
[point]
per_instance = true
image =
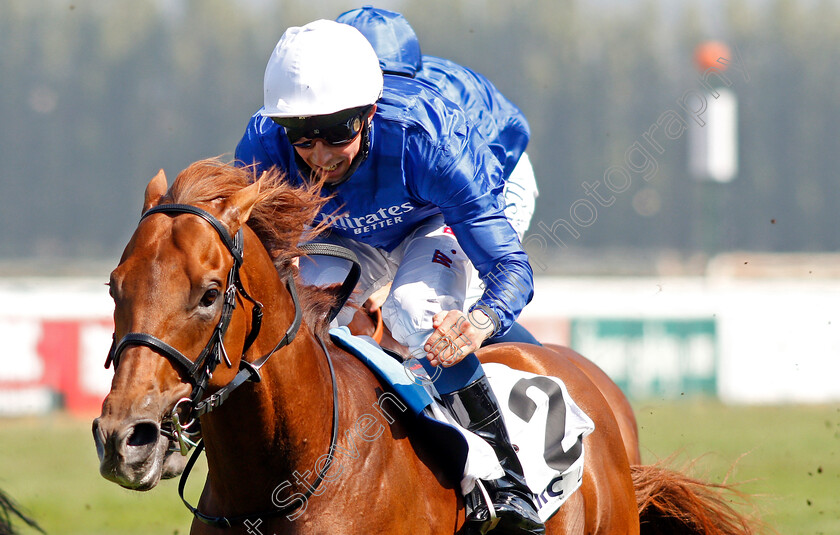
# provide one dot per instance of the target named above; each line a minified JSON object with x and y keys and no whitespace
{"x":330,"y":161}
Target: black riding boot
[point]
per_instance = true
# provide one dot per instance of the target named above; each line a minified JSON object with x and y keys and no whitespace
{"x":475,"y":407}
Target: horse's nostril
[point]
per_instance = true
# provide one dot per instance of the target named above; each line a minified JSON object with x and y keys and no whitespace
{"x":143,"y":434}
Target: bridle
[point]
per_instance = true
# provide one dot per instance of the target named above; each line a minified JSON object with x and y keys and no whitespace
{"x":200,"y":371}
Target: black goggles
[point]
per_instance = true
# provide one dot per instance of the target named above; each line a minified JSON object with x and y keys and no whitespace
{"x":303,"y":135}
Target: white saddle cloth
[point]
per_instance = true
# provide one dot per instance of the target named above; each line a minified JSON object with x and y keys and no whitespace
{"x":546,"y":426}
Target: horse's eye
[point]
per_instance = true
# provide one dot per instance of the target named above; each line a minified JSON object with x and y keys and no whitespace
{"x":209,"y":297}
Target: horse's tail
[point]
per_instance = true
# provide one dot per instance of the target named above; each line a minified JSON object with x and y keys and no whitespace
{"x":8,"y":509}
{"x":670,"y":502}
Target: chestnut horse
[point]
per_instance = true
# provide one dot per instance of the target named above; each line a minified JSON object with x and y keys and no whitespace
{"x":298,"y":436}
{"x":371,"y":324}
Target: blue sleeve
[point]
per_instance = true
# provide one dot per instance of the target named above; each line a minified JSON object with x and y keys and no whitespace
{"x":501,"y":122}
{"x":250,"y":149}
{"x":511,"y":131}
{"x":464,"y":179}
{"x":514,"y":131}
{"x":264,"y":145}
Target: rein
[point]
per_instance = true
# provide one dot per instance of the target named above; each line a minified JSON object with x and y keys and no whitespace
{"x":230,"y":521}
{"x":201,"y":370}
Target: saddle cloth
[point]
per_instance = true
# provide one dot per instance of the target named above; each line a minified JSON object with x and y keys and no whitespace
{"x":542,"y":420}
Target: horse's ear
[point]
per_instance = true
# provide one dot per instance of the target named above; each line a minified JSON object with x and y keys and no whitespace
{"x":238,"y":206}
{"x":155,"y":190}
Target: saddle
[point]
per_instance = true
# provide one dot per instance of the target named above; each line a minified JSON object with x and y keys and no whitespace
{"x":543,"y":421}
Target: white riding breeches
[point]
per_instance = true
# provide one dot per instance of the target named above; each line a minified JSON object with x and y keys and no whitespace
{"x":429,"y":273}
{"x":428,"y":270}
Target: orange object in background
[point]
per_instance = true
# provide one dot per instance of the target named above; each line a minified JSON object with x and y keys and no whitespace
{"x":706,"y":55}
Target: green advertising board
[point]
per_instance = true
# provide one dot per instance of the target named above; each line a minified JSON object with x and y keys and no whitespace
{"x":652,"y":357}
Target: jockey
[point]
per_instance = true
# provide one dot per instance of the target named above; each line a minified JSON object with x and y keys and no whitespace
{"x":500,"y":121}
{"x":416,"y":193}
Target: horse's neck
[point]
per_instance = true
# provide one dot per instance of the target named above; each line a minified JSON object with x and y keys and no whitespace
{"x":267,"y":444}
{"x":267,"y":430}
{"x":275,"y":427}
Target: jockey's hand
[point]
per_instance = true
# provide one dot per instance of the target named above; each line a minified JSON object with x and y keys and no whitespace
{"x":377,"y":299}
{"x":456,"y":335}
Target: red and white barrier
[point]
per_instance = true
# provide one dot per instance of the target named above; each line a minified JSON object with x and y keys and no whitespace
{"x":770,"y":340}
{"x":54,"y":337}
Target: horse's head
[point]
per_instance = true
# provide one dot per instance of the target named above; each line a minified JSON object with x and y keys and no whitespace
{"x":170,"y":292}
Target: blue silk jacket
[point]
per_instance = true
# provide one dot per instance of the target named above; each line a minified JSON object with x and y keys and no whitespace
{"x":425,"y":158}
{"x":498,"y":119}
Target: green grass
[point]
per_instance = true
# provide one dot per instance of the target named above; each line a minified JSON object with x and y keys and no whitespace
{"x":49,"y":466}
{"x":785,"y":456}
{"x":791,"y":465}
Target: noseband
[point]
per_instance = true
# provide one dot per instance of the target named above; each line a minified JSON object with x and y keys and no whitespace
{"x":200,"y":371}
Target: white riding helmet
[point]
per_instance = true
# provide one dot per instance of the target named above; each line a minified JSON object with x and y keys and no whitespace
{"x":319,"y":69}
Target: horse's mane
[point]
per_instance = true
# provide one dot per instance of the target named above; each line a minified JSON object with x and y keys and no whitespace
{"x":281,"y":216}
